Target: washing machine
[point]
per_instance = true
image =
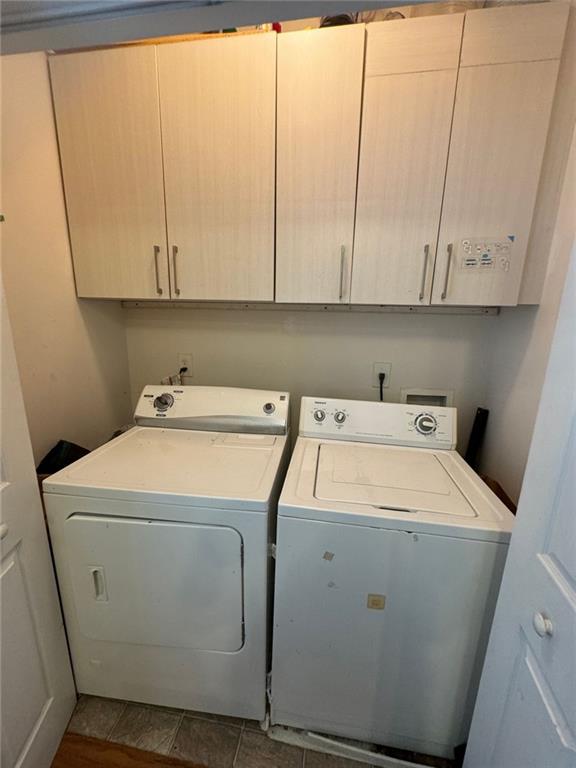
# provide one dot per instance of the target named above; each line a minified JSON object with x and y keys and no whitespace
{"x":161,"y":540}
{"x":390,"y":552}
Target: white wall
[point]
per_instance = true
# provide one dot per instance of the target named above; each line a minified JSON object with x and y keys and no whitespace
{"x":521,"y":340}
{"x":521,"y":346}
{"x":71,"y":354}
{"x":314,"y":353}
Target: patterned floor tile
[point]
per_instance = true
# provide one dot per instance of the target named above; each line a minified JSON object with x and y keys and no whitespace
{"x":259,"y":751}
{"x":146,"y":728}
{"x":207,"y":743}
{"x":96,"y":717}
{"x":322,"y":760}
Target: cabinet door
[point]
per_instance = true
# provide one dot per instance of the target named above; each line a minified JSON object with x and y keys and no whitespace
{"x":218,"y":120}
{"x":503,"y":104}
{"x":410,"y":81}
{"x":319,"y":102}
{"x":108,"y":120}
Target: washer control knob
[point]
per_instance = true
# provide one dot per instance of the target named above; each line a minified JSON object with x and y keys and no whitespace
{"x":319,"y":415}
{"x":269,"y":408}
{"x":163,"y":401}
{"x":339,"y":417}
{"x":425,"y":424}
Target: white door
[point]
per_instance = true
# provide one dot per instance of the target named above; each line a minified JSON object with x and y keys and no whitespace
{"x":525,"y":714}
{"x":37,"y":689}
{"x":108,"y":119}
{"x":410,"y":81}
{"x":319,"y":104}
{"x":218,"y":102}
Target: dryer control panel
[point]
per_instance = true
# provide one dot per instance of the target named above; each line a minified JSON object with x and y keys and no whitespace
{"x":387,"y":423}
{"x":213,"y":409}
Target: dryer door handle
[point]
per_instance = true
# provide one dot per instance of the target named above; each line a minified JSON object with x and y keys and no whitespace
{"x":99,"y":582}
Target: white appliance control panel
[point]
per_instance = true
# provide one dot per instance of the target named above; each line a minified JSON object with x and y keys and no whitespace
{"x":213,"y":409}
{"x":389,"y":423}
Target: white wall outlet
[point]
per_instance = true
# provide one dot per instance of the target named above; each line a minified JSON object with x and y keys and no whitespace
{"x":386,"y":369}
{"x":185,"y":361}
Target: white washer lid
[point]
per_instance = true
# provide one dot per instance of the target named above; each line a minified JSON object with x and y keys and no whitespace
{"x":207,"y":468}
{"x":491,"y":520}
{"x":408,"y":481}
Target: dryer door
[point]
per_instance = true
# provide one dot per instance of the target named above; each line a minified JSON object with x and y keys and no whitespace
{"x":153,"y":582}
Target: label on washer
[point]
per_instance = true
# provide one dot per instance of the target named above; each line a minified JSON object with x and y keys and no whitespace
{"x":376,"y":602}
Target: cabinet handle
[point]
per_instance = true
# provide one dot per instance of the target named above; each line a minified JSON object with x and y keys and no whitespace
{"x":342,"y":265}
{"x":157,"y":270}
{"x":424,"y":271}
{"x":447,"y":275}
{"x":174,"y":257}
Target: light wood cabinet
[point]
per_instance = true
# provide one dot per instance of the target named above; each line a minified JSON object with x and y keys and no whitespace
{"x":410,"y":82}
{"x":318,"y":113}
{"x":295,"y":168}
{"x":108,"y":120}
{"x":501,"y":116}
{"x":218,"y":102}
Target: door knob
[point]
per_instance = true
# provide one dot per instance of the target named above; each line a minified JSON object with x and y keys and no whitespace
{"x":542,"y":625}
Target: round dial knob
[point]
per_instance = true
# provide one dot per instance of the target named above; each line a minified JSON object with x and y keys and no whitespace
{"x":163,"y":401}
{"x":339,"y":417}
{"x":425,"y":424}
{"x":319,"y":415}
{"x":268,"y":408}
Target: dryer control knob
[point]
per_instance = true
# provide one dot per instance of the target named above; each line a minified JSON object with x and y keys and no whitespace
{"x":425,"y":424}
{"x":339,"y":417}
{"x":163,"y":401}
{"x":319,"y":415}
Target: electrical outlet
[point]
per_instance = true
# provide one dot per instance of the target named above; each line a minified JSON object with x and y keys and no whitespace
{"x":185,"y":361}
{"x":377,"y":368}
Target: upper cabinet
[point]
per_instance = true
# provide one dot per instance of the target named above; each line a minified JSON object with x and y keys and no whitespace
{"x":108,"y":119}
{"x":409,"y":87}
{"x":318,"y":114}
{"x":508,"y":70}
{"x":390,"y":164}
{"x":218,"y":104}
{"x":211,"y":132}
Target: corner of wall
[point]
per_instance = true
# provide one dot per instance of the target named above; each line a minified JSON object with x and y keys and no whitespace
{"x":71,"y":353}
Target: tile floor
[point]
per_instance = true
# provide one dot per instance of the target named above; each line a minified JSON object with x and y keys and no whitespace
{"x":208,"y":740}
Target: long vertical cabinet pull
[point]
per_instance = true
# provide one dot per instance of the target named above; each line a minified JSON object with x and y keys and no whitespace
{"x":409,"y":87}
{"x":342,"y":267}
{"x":506,"y":82}
{"x":175,"y":269}
{"x":424,"y":272}
{"x":318,"y":132}
{"x":449,"y":249}
{"x":157,"y":270}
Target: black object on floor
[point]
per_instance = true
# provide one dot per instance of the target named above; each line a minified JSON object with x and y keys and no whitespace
{"x":63,"y":454}
{"x":476,"y":437}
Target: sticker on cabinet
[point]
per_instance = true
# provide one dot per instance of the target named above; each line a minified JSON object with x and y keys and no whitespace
{"x":481,"y":253}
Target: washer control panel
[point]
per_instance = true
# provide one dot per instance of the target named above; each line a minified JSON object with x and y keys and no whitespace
{"x":213,"y":409}
{"x":387,"y":423}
